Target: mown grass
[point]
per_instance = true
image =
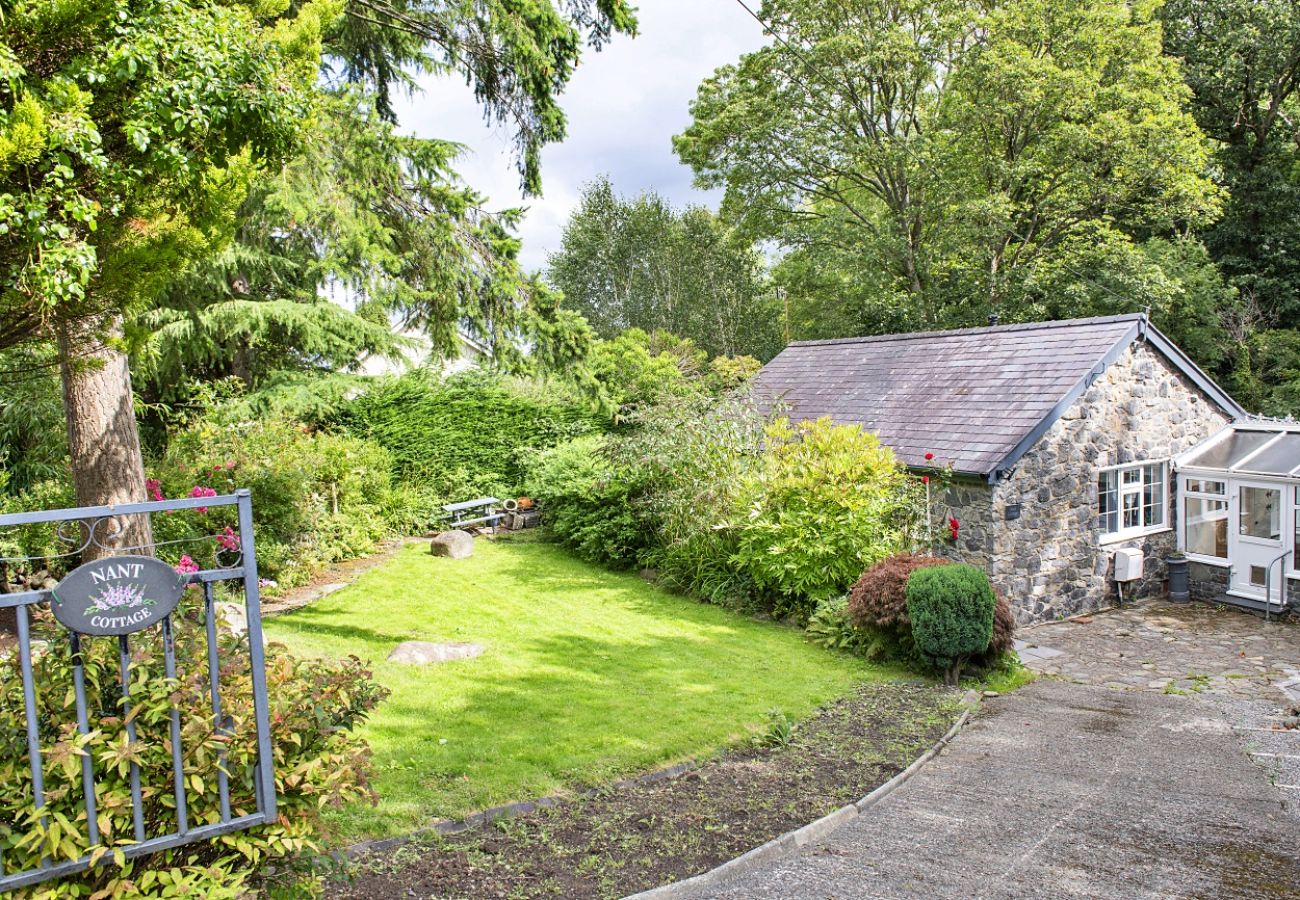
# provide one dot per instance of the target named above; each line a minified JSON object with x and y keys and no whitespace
{"x":588,"y":676}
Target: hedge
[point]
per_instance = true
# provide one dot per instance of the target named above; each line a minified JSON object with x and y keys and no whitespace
{"x":465,"y":435}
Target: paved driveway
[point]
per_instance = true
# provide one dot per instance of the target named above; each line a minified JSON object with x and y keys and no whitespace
{"x":1115,"y":787}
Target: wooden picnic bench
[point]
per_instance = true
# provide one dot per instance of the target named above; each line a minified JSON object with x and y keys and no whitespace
{"x":473,"y":512}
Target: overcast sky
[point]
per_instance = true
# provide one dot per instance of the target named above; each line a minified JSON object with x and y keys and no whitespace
{"x":624,"y":104}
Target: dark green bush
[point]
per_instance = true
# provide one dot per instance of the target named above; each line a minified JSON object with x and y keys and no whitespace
{"x":877,"y":608}
{"x":951,"y":609}
{"x":589,"y":503}
{"x":466,"y":435}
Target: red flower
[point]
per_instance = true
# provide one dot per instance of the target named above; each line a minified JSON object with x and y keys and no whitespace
{"x":925,"y":479}
{"x":929,"y":456}
{"x":953,"y":527}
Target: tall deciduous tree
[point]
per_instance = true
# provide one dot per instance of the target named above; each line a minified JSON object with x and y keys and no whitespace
{"x":641,"y":263}
{"x":943,"y":159}
{"x":1242,"y":61}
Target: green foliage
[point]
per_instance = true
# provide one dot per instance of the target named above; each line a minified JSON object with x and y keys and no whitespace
{"x":315,"y":708}
{"x":33,"y":443}
{"x":1239,"y":58}
{"x":640,"y":263}
{"x":761,"y":515}
{"x":927,"y":163}
{"x":778,"y":733}
{"x":518,"y":56}
{"x":39,"y":544}
{"x":589,"y":503}
{"x":951,"y":609}
{"x":118,"y":159}
{"x":826,"y":502}
{"x":463,"y":436}
{"x":830,"y":627}
{"x":693,"y":454}
{"x":317,"y":497}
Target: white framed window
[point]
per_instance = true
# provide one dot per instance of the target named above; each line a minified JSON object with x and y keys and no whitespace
{"x":1132,"y":500}
{"x":1205,"y":519}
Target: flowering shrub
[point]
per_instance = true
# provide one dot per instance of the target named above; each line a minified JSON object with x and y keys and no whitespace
{"x":317,"y":497}
{"x":315,"y":707}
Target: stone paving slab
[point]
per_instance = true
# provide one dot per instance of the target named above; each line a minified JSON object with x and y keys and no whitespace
{"x":1170,"y":647}
{"x":1063,"y":791}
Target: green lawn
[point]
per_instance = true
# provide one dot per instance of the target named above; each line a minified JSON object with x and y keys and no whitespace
{"x":588,"y":676}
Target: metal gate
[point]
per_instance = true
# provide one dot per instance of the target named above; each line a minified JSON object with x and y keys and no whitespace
{"x":243,"y":568}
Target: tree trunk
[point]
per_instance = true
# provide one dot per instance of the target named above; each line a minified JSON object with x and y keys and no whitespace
{"x":103,"y":440}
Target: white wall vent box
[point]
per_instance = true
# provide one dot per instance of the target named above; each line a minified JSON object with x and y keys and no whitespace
{"x":1128,"y":564}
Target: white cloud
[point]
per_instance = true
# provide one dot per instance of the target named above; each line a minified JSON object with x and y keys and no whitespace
{"x":624,"y":104}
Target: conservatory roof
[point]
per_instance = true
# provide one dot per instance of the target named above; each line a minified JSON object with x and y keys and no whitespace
{"x":977,"y":398}
{"x":1249,"y":447}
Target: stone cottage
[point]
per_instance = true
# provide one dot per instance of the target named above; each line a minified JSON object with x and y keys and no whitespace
{"x":1061,"y":438}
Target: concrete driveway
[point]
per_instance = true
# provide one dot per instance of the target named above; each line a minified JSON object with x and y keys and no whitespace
{"x":1076,"y":789}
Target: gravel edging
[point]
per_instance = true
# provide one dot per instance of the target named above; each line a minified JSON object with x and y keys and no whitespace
{"x":792,"y":841}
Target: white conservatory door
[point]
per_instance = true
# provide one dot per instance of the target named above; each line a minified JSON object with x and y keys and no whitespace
{"x":1258,"y":541}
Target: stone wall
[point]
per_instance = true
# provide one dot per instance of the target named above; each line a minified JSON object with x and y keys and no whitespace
{"x":1050,"y":560}
{"x":970,"y":502}
{"x":1206,"y":582}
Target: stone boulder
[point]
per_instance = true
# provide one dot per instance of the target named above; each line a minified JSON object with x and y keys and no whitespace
{"x":455,"y":544}
{"x":423,"y":653}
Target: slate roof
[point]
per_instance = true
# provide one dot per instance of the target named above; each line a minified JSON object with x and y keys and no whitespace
{"x":977,"y":398}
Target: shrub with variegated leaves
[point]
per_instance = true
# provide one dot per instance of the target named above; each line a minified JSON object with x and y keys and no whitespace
{"x":315,"y":706}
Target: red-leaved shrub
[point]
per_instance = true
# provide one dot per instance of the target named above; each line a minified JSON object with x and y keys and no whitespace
{"x":878,"y":605}
{"x":879,"y":598}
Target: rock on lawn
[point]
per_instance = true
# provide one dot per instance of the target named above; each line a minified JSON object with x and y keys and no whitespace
{"x":422,"y":653}
{"x":455,"y":544}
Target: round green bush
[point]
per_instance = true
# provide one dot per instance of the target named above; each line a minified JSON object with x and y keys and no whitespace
{"x":951,"y":608}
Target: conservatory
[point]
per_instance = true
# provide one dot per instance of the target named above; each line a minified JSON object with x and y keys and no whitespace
{"x":1240,"y":518}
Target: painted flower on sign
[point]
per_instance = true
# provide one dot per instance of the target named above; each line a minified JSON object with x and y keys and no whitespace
{"x":119,"y":597}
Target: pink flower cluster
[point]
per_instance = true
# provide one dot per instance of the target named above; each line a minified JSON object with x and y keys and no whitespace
{"x":200,"y":491}
{"x":154,"y":487}
{"x":187,"y":565}
{"x":228,"y":539}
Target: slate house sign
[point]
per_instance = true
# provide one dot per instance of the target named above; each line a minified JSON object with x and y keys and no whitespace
{"x":117,"y":595}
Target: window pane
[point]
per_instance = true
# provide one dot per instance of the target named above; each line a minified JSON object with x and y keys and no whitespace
{"x":1260,"y":514}
{"x":1108,"y":501}
{"x":1132,"y":509}
{"x":1201,"y":486}
{"x":1205,"y":525}
{"x":1133,"y":475}
{"x":1153,"y":497}
{"x":1279,"y":459}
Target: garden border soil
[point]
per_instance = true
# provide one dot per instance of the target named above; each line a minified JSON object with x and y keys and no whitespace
{"x":792,"y":841}
{"x":499,"y":863}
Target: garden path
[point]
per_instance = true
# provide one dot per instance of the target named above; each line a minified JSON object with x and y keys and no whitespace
{"x":1157,"y":759}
